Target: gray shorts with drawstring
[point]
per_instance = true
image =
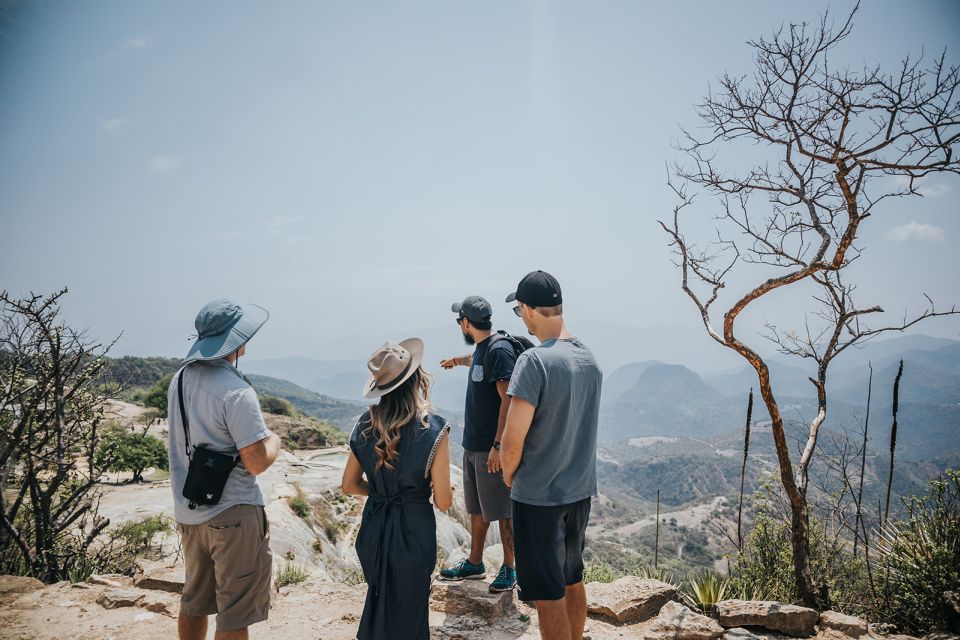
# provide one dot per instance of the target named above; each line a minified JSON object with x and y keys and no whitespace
{"x":483,"y":492}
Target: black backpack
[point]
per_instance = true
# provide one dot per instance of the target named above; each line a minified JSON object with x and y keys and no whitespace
{"x":518,"y":343}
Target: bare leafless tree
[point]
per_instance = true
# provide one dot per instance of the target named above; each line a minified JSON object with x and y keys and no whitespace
{"x":835,"y":142}
{"x":51,"y":408}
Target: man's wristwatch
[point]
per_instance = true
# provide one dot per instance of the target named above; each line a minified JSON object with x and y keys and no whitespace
{"x":496,"y":445}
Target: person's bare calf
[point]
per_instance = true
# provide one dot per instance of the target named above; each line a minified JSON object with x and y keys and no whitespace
{"x":192,"y":627}
{"x":554,"y":623}
{"x":564,"y":619}
{"x":195,"y":628}
{"x":478,"y":534}
{"x":506,"y":540}
{"x":575,"y":599}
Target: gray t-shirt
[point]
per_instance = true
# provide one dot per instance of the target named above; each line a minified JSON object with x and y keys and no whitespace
{"x":562,"y":379}
{"x":224,"y":416}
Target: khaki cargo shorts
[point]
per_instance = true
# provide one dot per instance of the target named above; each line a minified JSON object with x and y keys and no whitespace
{"x":229,"y":567}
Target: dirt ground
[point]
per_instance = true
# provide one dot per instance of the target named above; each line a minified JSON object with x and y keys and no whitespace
{"x":309,"y":611}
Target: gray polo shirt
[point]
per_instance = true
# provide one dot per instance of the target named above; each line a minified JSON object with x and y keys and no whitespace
{"x":224,"y":415}
{"x":562,"y":379}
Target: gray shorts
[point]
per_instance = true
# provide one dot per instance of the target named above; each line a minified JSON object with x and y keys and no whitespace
{"x":483,"y":492}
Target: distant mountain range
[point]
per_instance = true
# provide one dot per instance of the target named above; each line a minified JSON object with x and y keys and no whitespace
{"x":665,"y":399}
{"x":345,"y":378}
{"x":655,"y":398}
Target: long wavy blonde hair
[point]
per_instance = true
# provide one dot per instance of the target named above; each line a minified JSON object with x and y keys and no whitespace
{"x":394,"y":411}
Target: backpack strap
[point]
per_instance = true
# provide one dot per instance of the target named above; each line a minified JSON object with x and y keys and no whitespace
{"x":495,"y":337}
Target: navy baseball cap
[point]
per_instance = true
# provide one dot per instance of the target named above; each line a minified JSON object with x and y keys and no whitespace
{"x":473,"y":308}
{"x":537,"y":289}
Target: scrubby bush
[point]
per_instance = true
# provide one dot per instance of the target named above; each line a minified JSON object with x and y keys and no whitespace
{"x":123,"y":546}
{"x":277,"y":406}
{"x":156,"y":396}
{"x":919,"y":557}
{"x":292,"y":574}
{"x":764,"y":570}
{"x":140,"y":534}
{"x":299,"y":505}
{"x":594,"y":571}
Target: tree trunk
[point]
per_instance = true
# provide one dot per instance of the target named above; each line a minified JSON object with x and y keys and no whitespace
{"x":800,"y":522}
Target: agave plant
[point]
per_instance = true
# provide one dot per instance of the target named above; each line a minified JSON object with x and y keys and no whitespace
{"x":649,"y":572}
{"x":706,"y":590}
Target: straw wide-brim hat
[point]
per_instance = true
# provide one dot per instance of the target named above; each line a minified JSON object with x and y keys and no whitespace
{"x":224,"y":326}
{"x":391,"y":365}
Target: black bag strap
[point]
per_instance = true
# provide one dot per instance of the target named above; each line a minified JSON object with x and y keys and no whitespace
{"x":183,"y":416}
{"x":183,"y":411}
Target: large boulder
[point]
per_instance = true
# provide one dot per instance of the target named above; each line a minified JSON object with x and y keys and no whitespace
{"x":848,"y":625}
{"x":10,"y":585}
{"x":161,"y":576}
{"x":677,"y":621}
{"x":116,"y":598}
{"x":629,"y":599}
{"x":739,"y":633}
{"x":471,"y":598}
{"x":777,"y":616}
{"x":114,"y":581}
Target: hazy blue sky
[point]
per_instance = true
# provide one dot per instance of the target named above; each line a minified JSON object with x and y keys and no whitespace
{"x":356,"y":166}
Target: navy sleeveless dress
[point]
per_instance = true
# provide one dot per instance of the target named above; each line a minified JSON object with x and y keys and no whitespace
{"x":397,"y":541}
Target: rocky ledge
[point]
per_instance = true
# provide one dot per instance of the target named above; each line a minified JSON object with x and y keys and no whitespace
{"x":145,"y":608}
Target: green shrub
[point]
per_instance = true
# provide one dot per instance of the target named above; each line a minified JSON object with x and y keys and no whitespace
{"x":765,"y":569}
{"x":278,"y":406}
{"x":156,"y":396}
{"x":126,"y":544}
{"x":292,"y":574}
{"x":299,"y":505}
{"x":594,"y":571}
{"x":122,"y":450}
{"x":351,"y":575}
{"x":920,"y":557}
{"x":139,"y":534}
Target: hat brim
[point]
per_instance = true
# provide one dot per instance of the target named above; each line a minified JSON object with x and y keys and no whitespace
{"x":512,"y":297}
{"x":214,"y":347}
{"x":415,"y":347}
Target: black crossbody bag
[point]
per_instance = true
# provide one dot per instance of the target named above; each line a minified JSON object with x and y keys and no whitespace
{"x":208,"y":470}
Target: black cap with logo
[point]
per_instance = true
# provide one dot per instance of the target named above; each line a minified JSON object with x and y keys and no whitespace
{"x":537,"y":289}
{"x":473,"y":308}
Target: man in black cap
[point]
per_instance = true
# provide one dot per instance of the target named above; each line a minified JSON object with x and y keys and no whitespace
{"x":487,"y":498}
{"x":552,"y":427}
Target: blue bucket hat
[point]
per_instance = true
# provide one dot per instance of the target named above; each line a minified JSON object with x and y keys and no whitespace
{"x":224,"y":326}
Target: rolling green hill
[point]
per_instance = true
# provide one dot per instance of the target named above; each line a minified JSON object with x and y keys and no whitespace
{"x":339,"y":412}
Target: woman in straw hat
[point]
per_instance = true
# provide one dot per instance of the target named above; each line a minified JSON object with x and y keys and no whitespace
{"x":398,"y":457}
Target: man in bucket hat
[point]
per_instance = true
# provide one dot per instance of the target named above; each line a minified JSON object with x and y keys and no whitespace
{"x":226,"y":545}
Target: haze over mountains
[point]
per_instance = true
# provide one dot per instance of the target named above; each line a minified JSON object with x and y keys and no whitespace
{"x":654,"y":397}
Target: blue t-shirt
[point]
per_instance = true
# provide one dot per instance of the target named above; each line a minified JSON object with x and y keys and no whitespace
{"x":482,"y":411}
{"x":562,"y":380}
